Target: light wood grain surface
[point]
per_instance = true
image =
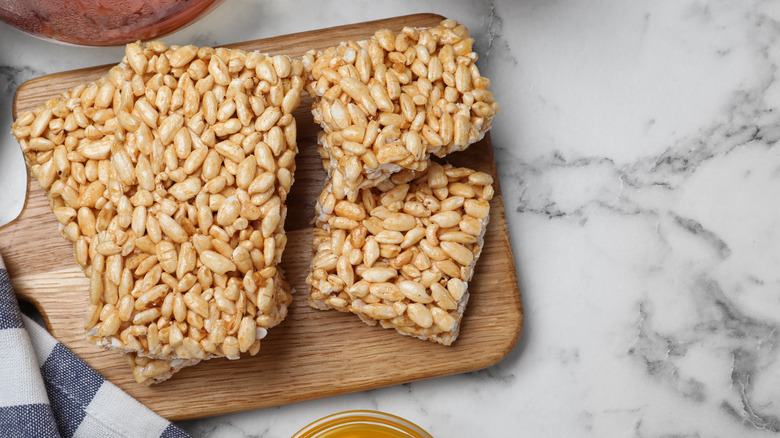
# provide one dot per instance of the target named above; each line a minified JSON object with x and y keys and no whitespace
{"x":312,"y":353}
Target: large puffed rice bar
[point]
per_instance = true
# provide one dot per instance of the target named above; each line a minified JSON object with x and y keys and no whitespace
{"x":402,"y":253}
{"x":388,"y":102}
{"x":170,"y":176}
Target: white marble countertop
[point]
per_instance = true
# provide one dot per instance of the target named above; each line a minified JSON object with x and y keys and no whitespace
{"x":636,"y":153}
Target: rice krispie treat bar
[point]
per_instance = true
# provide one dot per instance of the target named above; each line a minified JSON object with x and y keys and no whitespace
{"x":388,"y":102}
{"x":402,"y":253}
{"x":170,"y":176}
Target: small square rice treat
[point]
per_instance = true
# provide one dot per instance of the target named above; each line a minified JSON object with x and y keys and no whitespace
{"x":388,"y":102}
{"x":170,"y":176}
{"x":402,"y":253}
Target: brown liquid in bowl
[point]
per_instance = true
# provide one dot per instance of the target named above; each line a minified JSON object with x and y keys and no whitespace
{"x":102,"y":22}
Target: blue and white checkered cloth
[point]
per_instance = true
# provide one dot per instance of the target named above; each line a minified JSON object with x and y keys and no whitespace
{"x":46,"y":391}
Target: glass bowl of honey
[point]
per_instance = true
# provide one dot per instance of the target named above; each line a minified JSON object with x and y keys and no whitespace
{"x":362,"y":424}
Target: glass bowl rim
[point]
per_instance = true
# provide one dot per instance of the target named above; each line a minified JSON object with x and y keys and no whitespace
{"x":361,"y":416}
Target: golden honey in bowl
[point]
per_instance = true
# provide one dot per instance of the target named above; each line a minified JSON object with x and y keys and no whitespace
{"x":364,"y":431}
{"x":362,"y":424}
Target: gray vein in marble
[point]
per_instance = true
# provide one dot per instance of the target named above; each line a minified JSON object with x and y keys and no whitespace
{"x":697,"y":229}
{"x":746,"y":363}
{"x":658,"y":351}
{"x":544,"y":203}
{"x":735,"y":321}
{"x":493,"y":28}
{"x":496,"y":40}
{"x":748,"y":121}
{"x":11,"y":77}
{"x":638,"y":432}
{"x":751,"y":342}
{"x":743,"y":369}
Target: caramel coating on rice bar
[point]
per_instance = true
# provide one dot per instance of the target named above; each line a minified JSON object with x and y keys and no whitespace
{"x":402,"y":253}
{"x":170,"y":175}
{"x":389,"y":102}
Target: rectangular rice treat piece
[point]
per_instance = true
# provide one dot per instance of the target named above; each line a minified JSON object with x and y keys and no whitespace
{"x":402,"y":253}
{"x":149,"y":371}
{"x":388,"y":102}
{"x":170,"y":176}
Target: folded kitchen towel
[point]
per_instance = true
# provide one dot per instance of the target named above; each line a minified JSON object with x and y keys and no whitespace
{"x":46,"y":391}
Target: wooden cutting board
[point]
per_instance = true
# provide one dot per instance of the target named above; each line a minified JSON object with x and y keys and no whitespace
{"x":312,"y":353}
